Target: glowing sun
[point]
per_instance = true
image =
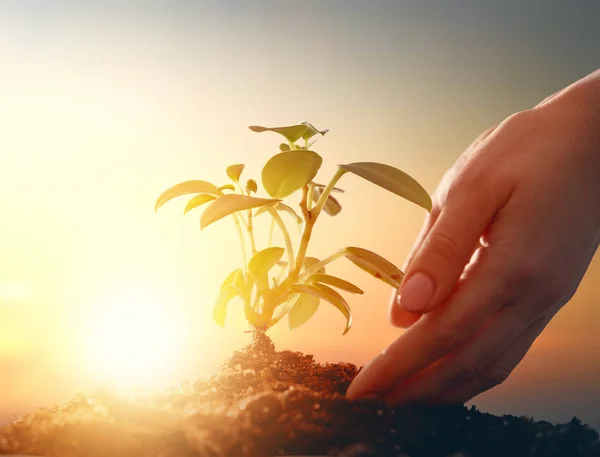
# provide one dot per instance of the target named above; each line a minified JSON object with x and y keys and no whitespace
{"x":133,"y":340}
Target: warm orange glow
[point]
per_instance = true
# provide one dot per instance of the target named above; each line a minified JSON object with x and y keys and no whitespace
{"x":132,"y":339}
{"x":102,"y":111}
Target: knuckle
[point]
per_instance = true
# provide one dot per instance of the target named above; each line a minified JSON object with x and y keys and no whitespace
{"x":520,"y":121}
{"x":444,"y":246}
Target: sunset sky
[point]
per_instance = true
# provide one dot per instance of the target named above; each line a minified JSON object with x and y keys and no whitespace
{"x":102,"y":108}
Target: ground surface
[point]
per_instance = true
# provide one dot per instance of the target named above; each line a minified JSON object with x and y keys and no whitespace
{"x":268,"y":403}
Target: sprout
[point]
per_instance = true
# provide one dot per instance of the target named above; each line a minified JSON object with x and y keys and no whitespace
{"x":279,"y":281}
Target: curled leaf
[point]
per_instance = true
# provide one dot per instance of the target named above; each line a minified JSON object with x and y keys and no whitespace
{"x":289,"y":171}
{"x":234,"y":171}
{"x":375,"y":265}
{"x":292,"y":133}
{"x":304,"y":307}
{"x":198,"y":200}
{"x":229,"y":279}
{"x":227,"y":187}
{"x":311,"y":131}
{"x":243,"y":283}
{"x":335,"y":282}
{"x":261,"y":263}
{"x":229,"y":204}
{"x":220,"y":308}
{"x":251,"y":185}
{"x":329,"y":295}
{"x":392,"y":179}
{"x":185,"y":188}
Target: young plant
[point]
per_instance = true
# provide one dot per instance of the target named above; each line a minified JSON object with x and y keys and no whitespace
{"x":276,"y":281}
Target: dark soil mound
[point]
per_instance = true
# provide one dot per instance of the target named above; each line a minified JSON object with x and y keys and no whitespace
{"x":268,"y":403}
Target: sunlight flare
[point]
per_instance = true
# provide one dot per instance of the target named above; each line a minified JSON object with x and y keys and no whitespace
{"x":133,"y":340}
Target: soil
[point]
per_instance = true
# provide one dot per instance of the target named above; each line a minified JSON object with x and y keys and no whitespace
{"x":264,"y":403}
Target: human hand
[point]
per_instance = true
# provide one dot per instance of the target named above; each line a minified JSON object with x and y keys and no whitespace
{"x":514,"y":226}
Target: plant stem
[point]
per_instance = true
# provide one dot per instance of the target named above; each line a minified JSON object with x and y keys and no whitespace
{"x":325,"y":194}
{"x":310,"y":217}
{"x":286,"y":236}
{"x":317,"y":266}
{"x":271,"y":227}
{"x":236,"y":220}
{"x":304,"y":239}
{"x":251,"y":233}
{"x":309,"y":197}
{"x":304,"y":203}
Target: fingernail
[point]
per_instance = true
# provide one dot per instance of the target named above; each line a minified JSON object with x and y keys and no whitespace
{"x":417,"y":293}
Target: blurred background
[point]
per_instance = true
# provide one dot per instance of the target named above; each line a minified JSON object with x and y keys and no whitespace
{"x":103,"y":107}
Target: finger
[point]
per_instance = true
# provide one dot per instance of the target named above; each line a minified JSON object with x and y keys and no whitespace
{"x":441,"y":331}
{"x":498,"y":371}
{"x":398,"y":315}
{"x":447,"y":248}
{"x":441,"y":259}
{"x":403,"y":318}
{"x":469,"y":361}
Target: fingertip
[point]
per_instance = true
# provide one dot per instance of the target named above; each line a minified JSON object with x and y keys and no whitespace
{"x":398,"y":316}
{"x":417,"y":293}
{"x":369,"y":382}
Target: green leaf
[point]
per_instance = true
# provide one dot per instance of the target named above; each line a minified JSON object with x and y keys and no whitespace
{"x":229,"y":279}
{"x":289,"y":171}
{"x":261,"y":263}
{"x":185,"y":188}
{"x":375,"y":265}
{"x":234,"y":171}
{"x":291,"y":132}
{"x":302,"y":310}
{"x":220,"y":308}
{"x":198,"y":200}
{"x":311,"y":130}
{"x":229,"y":204}
{"x":251,"y":185}
{"x":284,"y":147}
{"x":284,"y":307}
{"x":329,"y":295}
{"x":332,"y":205}
{"x":280,"y":207}
{"x":392,"y":179}
{"x":335,"y":282}
{"x":227,"y":187}
{"x":243,"y":283}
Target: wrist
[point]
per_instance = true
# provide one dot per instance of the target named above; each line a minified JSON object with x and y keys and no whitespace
{"x":576,"y":110}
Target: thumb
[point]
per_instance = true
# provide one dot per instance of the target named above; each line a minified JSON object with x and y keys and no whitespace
{"x":445,"y":251}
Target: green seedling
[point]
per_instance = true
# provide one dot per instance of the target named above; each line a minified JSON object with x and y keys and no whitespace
{"x":276,"y":281}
